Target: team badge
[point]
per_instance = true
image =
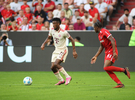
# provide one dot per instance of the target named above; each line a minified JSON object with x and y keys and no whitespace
{"x":59,"y":35}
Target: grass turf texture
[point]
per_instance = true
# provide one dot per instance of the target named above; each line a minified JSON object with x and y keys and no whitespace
{"x":84,"y":86}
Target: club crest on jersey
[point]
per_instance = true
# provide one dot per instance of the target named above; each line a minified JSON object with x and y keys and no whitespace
{"x":59,"y":35}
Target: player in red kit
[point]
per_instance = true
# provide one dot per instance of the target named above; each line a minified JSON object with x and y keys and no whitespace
{"x":108,"y":42}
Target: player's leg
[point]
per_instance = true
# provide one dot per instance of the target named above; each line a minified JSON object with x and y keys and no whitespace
{"x":114,"y":68}
{"x":57,"y":74}
{"x":107,"y":64}
{"x":62,"y":70}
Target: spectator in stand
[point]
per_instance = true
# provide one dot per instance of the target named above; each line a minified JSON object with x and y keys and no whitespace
{"x":132,"y":13}
{"x":8,"y":1}
{"x":64,"y":24}
{"x":15,"y":6}
{"x":126,"y":14}
{"x":4,"y":9}
{"x":43,"y":28}
{"x":5,"y":41}
{"x":68,"y":11}
{"x":40,"y":13}
{"x":34,"y":28}
{"x":122,"y":26}
{"x":127,"y":27}
{"x":71,"y":27}
{"x":94,"y":12}
{"x":74,"y":18}
{"x":37,"y":3}
{"x":14,"y":26}
{"x":49,"y":6}
{"x":50,"y":17}
{"x":9,"y":13}
{"x":81,"y":10}
{"x":57,"y":12}
{"x":111,"y":4}
{"x":77,"y":42}
{"x":40,"y":23}
{"x":102,"y":8}
{"x":20,"y":18}
{"x":25,"y":26}
{"x":88,"y":21}
{"x":3,"y":27}
{"x":67,"y":22}
{"x":133,"y":25}
{"x":70,"y":3}
{"x":77,"y":3}
{"x":2,"y":21}
{"x":25,"y":5}
{"x":8,"y":24}
{"x":62,"y":18}
{"x":114,"y":28}
{"x":28,"y":14}
{"x":79,"y":25}
{"x":46,"y":25}
{"x":87,"y":5}
{"x":1,"y":5}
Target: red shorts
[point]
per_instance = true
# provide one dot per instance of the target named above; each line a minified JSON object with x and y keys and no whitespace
{"x":109,"y":56}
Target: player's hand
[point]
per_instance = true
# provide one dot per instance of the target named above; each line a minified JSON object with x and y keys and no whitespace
{"x":93,"y":60}
{"x":42,"y":47}
{"x":75,"y":54}
{"x":115,"y":56}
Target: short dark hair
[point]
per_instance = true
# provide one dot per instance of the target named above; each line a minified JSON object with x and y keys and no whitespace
{"x":98,"y":24}
{"x":85,"y":11}
{"x":126,"y":9}
{"x":66,"y":3}
{"x":57,"y":19}
{"x":129,"y":25}
{"x":78,"y":38}
{"x":59,"y":4}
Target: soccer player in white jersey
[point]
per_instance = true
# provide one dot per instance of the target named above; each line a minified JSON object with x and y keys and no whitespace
{"x":61,"y":51}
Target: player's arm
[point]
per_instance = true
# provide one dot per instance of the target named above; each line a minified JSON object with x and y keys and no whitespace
{"x":73,"y":45}
{"x":115,"y":56}
{"x":45,"y":42}
{"x":93,"y":60}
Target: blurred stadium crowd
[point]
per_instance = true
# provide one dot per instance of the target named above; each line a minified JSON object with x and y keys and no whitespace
{"x":74,"y":14}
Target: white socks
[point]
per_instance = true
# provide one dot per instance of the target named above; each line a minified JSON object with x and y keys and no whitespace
{"x":62,"y":70}
{"x":59,"y":77}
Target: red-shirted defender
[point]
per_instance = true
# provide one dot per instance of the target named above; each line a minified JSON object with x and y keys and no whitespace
{"x":108,"y":42}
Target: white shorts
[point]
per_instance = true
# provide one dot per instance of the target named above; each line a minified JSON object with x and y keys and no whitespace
{"x":59,"y":54}
{"x":103,"y":14}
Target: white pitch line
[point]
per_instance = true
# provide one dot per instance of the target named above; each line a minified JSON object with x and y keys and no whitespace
{"x":52,"y":84}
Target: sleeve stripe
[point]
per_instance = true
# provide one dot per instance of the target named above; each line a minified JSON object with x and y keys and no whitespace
{"x":109,"y":35}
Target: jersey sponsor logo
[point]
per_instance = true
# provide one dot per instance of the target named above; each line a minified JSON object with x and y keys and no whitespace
{"x":56,"y":40}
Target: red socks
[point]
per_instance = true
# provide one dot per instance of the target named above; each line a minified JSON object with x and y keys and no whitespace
{"x":113,"y":68}
{"x":114,"y":77}
{"x":110,"y":70}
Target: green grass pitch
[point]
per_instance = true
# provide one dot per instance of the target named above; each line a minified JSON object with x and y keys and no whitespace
{"x":84,"y":86}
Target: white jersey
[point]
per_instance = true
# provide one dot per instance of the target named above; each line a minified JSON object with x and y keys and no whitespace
{"x":59,"y":38}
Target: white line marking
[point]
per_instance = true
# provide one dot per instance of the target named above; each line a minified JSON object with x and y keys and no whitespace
{"x":49,"y":84}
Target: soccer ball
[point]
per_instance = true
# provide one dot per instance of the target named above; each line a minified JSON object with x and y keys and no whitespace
{"x":27,"y":80}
